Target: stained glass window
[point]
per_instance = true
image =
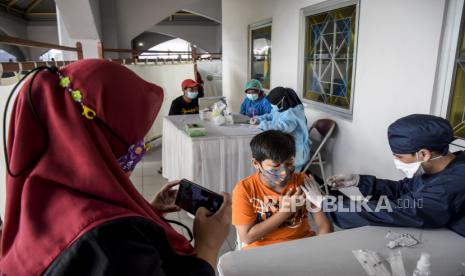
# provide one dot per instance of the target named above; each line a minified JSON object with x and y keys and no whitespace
{"x":329,"y":57}
{"x":261,"y":55}
{"x":457,"y":103}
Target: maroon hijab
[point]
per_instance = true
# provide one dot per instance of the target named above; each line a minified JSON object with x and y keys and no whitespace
{"x":77,"y":183}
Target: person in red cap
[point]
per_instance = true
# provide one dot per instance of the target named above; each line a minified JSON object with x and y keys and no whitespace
{"x":188,"y":103}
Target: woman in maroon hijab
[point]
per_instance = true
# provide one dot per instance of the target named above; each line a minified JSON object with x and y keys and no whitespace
{"x":74,"y":135}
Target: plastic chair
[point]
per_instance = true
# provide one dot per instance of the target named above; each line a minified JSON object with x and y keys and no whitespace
{"x":324,"y":127}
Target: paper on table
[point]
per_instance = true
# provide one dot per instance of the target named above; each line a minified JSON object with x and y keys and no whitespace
{"x":400,"y":240}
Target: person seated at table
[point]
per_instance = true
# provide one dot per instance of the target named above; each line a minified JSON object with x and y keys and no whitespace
{"x":263,"y":209}
{"x":433,"y":193}
{"x":255,"y":102}
{"x":188,"y":103}
{"x":71,"y":208}
{"x":287,"y":115}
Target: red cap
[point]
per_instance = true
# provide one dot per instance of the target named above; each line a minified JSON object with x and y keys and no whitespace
{"x":189,"y":83}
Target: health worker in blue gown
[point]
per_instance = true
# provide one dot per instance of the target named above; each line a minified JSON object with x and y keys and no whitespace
{"x":433,"y":193}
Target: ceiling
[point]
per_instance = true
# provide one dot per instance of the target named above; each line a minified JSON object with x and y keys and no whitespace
{"x":187,"y":18}
{"x":30,"y":9}
{"x":46,"y":10}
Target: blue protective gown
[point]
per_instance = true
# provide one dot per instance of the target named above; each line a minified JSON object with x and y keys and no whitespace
{"x":255,"y":108}
{"x":441,"y":197}
{"x":294,"y":122}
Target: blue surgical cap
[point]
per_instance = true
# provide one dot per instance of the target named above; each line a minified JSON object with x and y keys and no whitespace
{"x":419,"y":131}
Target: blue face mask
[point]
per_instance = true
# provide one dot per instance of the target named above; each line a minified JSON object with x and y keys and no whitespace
{"x":252,"y":97}
{"x":192,"y":95}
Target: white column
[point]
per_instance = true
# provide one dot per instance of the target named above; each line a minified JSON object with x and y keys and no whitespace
{"x":78,"y":20}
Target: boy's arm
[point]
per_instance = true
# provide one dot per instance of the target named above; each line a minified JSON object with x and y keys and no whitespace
{"x":322,"y":223}
{"x":250,"y":233}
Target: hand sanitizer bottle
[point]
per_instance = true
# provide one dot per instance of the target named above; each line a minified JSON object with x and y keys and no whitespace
{"x":423,"y":265}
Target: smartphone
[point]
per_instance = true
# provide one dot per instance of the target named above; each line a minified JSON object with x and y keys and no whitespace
{"x":191,"y":197}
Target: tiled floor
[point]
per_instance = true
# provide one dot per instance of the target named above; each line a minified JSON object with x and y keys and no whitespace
{"x":148,"y":181}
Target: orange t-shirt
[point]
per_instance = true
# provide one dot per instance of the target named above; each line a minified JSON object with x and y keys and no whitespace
{"x":254,"y":201}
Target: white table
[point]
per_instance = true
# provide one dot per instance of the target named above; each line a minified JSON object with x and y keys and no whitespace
{"x":216,"y":161}
{"x":332,"y":254}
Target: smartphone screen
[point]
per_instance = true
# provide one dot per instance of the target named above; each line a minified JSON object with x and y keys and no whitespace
{"x":192,"y":196}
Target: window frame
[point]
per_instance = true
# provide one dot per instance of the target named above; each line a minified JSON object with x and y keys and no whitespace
{"x":448,"y":53}
{"x":258,"y":25}
{"x":313,"y":10}
{"x":461,"y":32}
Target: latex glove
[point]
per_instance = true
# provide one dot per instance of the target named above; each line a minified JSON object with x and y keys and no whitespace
{"x":343,"y":181}
{"x":312,"y":191}
{"x":254,"y":121}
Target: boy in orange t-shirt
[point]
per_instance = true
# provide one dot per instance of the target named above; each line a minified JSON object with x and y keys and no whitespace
{"x":269,"y":206}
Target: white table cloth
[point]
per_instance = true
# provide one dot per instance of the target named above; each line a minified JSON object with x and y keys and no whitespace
{"x":216,"y":161}
{"x":331,"y":254}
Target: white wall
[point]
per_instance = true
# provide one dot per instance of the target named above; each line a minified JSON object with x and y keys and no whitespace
{"x":109,"y":26}
{"x":11,"y":25}
{"x":212,"y":76}
{"x":133,"y":20}
{"x":237,"y":15}
{"x":43,"y":32}
{"x":96,"y":15}
{"x":169,"y":77}
{"x":207,"y":8}
{"x":398,"y":44}
{"x":77,"y":22}
{"x":80,"y":17}
{"x":205,"y":37}
{"x":89,"y":46}
{"x":116,"y":23}
{"x":4,"y":92}
{"x":16,"y":27}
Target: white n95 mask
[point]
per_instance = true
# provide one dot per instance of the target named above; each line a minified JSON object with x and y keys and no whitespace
{"x":412,"y":169}
{"x":409,"y":169}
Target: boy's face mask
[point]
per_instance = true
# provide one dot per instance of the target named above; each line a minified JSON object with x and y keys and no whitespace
{"x":277,"y":177}
{"x":135,"y":153}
